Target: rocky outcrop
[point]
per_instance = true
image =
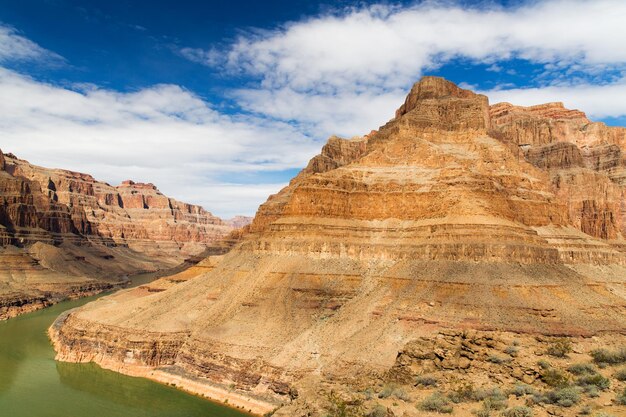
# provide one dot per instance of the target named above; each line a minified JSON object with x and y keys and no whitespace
{"x":76,"y":228}
{"x":454,"y":215}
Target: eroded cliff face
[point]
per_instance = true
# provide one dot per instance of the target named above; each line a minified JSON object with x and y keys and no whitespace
{"x":454,"y":215}
{"x":67,"y":224}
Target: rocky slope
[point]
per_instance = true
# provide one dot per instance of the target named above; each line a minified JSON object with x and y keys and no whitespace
{"x":63,"y":233}
{"x":454,"y":215}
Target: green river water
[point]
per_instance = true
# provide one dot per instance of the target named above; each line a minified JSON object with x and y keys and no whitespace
{"x":33,"y":384}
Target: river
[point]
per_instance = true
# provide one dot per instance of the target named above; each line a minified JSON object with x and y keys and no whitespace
{"x":33,"y":384}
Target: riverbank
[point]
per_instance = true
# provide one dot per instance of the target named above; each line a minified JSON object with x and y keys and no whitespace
{"x":34,"y":384}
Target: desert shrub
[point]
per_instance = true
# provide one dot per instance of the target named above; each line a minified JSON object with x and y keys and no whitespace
{"x":492,"y":394}
{"x":585,"y":411}
{"x":426,"y":381}
{"x":620,"y":375}
{"x":437,"y":402}
{"x":518,"y":411}
{"x":519,"y":390}
{"x":511,"y":350}
{"x":377,"y":411}
{"x":592,"y":391}
{"x":497,"y":359}
{"x":609,"y":357}
{"x":554,"y":378}
{"x":582,"y":369}
{"x":338,"y":407}
{"x":565,"y":397}
{"x":559,"y":348}
{"x":595,"y":380}
{"x":544,"y":364}
{"x":621,"y":398}
{"x":395,"y":391}
{"x":462,"y":393}
{"x":488,"y":406}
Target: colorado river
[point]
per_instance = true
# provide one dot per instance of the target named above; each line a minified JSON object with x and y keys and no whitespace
{"x":33,"y":384}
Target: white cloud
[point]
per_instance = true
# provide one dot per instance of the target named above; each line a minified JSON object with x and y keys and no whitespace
{"x":598,"y":101}
{"x":14,"y":47}
{"x":164,"y":134}
{"x":347,"y":72}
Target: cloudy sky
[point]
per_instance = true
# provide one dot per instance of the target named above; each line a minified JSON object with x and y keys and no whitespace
{"x":221,"y":103}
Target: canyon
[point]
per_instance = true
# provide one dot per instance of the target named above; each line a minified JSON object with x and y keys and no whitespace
{"x":453,"y":234}
{"x":64,"y":234}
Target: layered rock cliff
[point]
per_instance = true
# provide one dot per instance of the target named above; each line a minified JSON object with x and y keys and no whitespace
{"x":454,"y":215}
{"x":67,"y":224}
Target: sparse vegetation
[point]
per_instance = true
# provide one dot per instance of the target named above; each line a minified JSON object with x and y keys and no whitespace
{"x":497,"y":359}
{"x":377,"y":411}
{"x":520,"y":390}
{"x":585,"y":410}
{"x":564,"y":397}
{"x":392,"y":390}
{"x":621,"y":398}
{"x":594,"y":380}
{"x":511,"y":350}
{"x":559,"y":348}
{"x":620,"y":375}
{"x":605,"y":356}
{"x":338,"y":407}
{"x":462,"y":393}
{"x":555,"y":378}
{"x":426,"y":381}
{"x":544,"y":364}
{"x":582,"y":369}
{"x":437,"y":402}
{"x":518,"y":411}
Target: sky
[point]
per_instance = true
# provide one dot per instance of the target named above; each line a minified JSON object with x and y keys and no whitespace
{"x":221,"y":103}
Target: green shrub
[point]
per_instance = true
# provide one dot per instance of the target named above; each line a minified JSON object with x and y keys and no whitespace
{"x":437,"y":402}
{"x":337,"y":407}
{"x":595,"y":380}
{"x":426,"y":381}
{"x":609,"y":357}
{"x":592,"y":392}
{"x":582,"y":369}
{"x":492,"y":394}
{"x":555,"y":378}
{"x":559,"y":348}
{"x":585,"y":411}
{"x":518,"y":411}
{"x":377,"y":411}
{"x":620,"y":375}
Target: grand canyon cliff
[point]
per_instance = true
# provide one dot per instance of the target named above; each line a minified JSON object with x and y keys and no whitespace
{"x":63,"y":233}
{"x":453,"y":220}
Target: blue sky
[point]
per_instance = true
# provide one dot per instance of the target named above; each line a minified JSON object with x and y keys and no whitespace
{"x":221,"y":103}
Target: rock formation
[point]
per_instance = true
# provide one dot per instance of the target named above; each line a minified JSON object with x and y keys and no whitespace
{"x":67,"y":224}
{"x":454,"y":215}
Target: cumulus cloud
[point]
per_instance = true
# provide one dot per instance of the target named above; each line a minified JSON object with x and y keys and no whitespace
{"x":348,"y":70}
{"x":164,"y":134}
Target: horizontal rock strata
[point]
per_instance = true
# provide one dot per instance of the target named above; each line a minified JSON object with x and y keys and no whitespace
{"x":454,"y":215}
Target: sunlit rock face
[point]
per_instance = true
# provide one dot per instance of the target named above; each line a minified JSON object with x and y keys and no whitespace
{"x":77,"y":235}
{"x":455,"y":214}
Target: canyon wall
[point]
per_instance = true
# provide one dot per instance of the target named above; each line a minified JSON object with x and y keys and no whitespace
{"x":454,"y":215}
{"x":63,"y":233}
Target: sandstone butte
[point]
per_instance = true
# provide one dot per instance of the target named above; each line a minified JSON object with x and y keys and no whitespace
{"x":422,"y":246}
{"x":64,"y":234}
